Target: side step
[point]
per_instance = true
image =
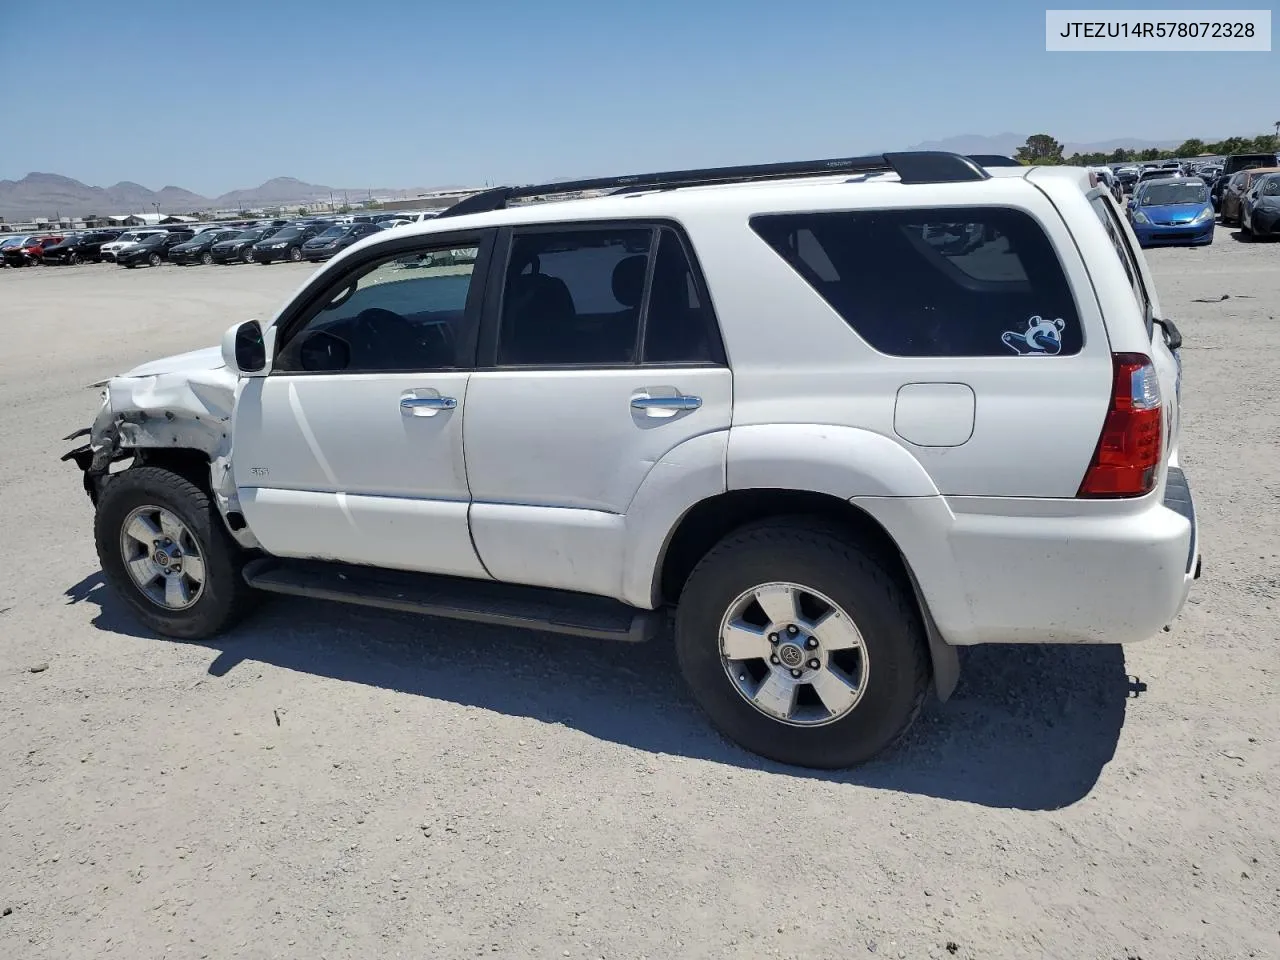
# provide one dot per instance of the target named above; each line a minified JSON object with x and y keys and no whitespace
{"x":479,"y":601}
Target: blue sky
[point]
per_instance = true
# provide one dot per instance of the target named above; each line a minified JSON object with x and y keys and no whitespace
{"x":217,"y":96}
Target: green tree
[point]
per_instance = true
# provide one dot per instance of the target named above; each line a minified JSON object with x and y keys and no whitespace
{"x":1040,"y":149}
{"x":1190,"y":148}
{"x":1151,"y":153}
{"x":302,"y":211}
{"x":1266,"y":143}
{"x":344,"y":209}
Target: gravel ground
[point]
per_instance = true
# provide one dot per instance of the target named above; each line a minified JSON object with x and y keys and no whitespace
{"x":330,"y":782}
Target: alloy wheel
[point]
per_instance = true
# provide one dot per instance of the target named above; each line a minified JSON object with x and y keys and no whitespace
{"x":163,"y":558}
{"x":793,"y":654}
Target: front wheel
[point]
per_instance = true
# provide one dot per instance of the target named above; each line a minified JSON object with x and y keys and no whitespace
{"x":165,"y":553}
{"x":154,"y":260}
{"x":800,"y":646}
{"x":295,"y":254}
{"x":247,"y":256}
{"x":206,"y":258}
{"x":73,"y":259}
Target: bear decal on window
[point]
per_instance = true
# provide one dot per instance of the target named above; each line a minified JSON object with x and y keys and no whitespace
{"x":1041,"y":338}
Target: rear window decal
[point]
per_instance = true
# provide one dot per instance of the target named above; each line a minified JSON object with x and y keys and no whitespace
{"x":1042,"y":338}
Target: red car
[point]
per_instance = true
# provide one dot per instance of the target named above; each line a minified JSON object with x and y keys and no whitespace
{"x":30,"y":253}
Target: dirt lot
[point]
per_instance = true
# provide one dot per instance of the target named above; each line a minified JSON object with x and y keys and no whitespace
{"x":333,"y":783}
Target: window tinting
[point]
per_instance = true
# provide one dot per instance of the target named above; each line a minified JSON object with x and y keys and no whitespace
{"x":947,"y":282}
{"x":679,"y":328}
{"x":573,"y":297}
{"x":400,"y":315}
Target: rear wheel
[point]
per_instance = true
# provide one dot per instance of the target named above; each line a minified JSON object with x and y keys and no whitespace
{"x":800,"y":646}
{"x":164,"y":551}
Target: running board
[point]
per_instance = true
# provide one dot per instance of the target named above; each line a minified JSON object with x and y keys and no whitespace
{"x":478,"y":601}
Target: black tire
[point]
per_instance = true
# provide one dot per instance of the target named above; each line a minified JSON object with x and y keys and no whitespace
{"x":154,"y":259}
{"x":806,"y":553}
{"x":247,"y":256}
{"x":73,"y":259}
{"x":225,"y":598}
{"x":295,"y":254}
{"x":206,"y":258}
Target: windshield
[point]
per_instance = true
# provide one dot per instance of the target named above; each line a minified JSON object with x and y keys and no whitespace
{"x":332,"y":233}
{"x":249,"y":235}
{"x":13,"y":242}
{"x":129,"y":236}
{"x":288,"y":233}
{"x":1159,"y":194}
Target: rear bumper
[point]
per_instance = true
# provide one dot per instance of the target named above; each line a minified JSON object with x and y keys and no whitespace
{"x":999,"y":570}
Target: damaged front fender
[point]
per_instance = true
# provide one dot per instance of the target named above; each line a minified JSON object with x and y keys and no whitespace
{"x":177,"y":406}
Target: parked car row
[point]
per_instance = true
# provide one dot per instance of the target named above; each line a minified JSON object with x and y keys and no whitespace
{"x":263,"y":241}
{"x":1180,"y":210}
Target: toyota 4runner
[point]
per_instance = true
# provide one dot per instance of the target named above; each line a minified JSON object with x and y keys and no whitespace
{"x":840,"y":417}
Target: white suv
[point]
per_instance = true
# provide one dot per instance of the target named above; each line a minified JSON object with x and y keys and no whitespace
{"x":840,"y":417}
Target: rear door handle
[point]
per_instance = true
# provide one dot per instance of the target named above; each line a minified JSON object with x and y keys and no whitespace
{"x":412,"y":406}
{"x":664,"y":406}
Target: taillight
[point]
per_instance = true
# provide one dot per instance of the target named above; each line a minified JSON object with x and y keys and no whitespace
{"x":1128,"y":456}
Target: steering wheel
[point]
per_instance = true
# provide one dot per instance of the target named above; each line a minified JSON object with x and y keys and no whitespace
{"x":376,"y":333}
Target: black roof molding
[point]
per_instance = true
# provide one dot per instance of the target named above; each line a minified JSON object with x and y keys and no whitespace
{"x":911,"y":167}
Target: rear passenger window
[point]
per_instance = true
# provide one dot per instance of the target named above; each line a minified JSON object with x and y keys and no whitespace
{"x":955,"y":282}
{"x":573,"y":297}
{"x":679,"y":326}
{"x":592,"y":296}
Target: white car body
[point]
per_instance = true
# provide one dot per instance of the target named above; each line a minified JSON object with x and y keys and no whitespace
{"x":550,"y":478}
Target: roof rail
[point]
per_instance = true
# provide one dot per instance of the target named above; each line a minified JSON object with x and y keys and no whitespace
{"x":911,"y":167}
{"x":995,"y":160}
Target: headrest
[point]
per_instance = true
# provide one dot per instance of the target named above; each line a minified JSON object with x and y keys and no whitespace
{"x":628,"y":280}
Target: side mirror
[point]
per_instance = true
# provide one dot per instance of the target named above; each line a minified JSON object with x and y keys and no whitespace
{"x":244,"y":350}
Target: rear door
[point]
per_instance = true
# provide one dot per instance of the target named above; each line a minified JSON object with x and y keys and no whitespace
{"x":599,"y":355}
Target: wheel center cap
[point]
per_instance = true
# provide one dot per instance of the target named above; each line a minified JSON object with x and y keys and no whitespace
{"x":790,"y":655}
{"x":162,"y":558}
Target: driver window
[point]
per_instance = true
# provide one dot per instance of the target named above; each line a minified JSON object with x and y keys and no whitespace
{"x":400,"y":315}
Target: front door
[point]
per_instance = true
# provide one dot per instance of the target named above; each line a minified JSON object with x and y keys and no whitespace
{"x":600,"y":356}
{"x":351,"y":448}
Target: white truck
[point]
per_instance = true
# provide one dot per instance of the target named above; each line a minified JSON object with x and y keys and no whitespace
{"x":838,"y":418}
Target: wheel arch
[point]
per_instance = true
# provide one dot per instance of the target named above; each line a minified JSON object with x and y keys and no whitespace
{"x":707,"y":522}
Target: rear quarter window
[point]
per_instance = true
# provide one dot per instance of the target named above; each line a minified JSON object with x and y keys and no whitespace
{"x":953,"y":282}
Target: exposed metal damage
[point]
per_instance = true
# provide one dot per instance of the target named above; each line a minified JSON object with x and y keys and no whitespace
{"x":179,"y":406}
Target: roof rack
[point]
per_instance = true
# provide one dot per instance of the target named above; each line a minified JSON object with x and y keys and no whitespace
{"x":921,"y":166}
{"x":995,"y":160}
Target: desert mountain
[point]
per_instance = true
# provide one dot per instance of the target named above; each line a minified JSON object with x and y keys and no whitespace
{"x":49,"y":194}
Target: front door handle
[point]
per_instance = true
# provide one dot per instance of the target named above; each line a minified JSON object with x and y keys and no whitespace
{"x":664,"y":406}
{"x":412,"y":406}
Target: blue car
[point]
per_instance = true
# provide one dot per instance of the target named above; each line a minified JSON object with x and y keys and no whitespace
{"x":1172,"y":212}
